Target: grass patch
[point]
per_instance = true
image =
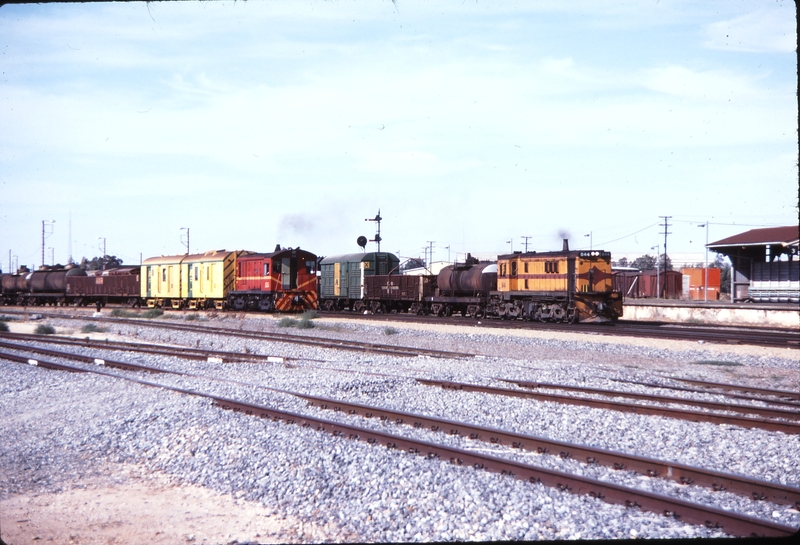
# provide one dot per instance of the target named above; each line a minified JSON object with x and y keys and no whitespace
{"x":123,"y":313}
{"x":148,"y":314}
{"x":92,"y":328}
{"x":304,"y":321}
{"x":3,"y":326}
{"x":44,"y":329}
{"x":390,"y":331}
{"x":719,"y":363}
{"x":190,"y":317}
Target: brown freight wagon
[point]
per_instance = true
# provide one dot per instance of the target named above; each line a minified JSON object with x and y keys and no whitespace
{"x":401,"y":293}
{"x":654,"y":285}
{"x":118,"y":286}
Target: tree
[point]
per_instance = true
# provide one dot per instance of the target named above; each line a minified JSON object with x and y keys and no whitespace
{"x":724,"y":273}
{"x":623,"y":262}
{"x":644,"y":263}
{"x":413,"y":263}
{"x":96,"y":263}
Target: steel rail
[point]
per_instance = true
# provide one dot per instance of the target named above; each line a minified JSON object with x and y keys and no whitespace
{"x":376,"y":348}
{"x":783,"y":402}
{"x":335,"y":344}
{"x":688,"y":512}
{"x":167,"y":350}
{"x":739,"y":388}
{"x":682,"y":473}
{"x":714,"y":405}
{"x":682,"y":414}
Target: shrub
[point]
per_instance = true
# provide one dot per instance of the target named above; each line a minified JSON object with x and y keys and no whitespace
{"x":390,"y":331}
{"x":44,"y":329}
{"x":287,"y":322}
{"x":308,"y":315}
{"x":3,"y":326}
{"x":305,"y":324}
{"x":190,"y":317}
{"x":123,"y":313}
{"x":92,"y":328}
{"x":152,"y":313}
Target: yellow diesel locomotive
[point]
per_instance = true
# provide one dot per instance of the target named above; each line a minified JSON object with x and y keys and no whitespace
{"x":556,"y":286}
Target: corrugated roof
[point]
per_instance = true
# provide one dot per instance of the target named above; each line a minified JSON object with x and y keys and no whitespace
{"x":770,"y":235}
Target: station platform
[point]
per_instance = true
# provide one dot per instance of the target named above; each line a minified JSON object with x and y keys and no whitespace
{"x":766,"y":315}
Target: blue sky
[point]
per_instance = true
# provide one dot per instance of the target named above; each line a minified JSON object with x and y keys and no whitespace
{"x":467,"y":123}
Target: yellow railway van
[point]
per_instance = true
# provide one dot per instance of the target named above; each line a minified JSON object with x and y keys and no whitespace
{"x":194,"y":281}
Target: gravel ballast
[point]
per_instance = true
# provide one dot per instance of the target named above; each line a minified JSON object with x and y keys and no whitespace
{"x":62,"y":429}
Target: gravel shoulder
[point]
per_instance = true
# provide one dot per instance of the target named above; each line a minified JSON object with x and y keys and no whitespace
{"x":90,"y":459}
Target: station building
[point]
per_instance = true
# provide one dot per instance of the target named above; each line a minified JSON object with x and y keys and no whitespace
{"x":765,"y":266}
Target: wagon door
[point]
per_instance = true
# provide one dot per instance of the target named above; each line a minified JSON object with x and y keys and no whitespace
{"x":286,"y":273}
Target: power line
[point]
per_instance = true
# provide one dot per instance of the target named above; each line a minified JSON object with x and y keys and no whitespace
{"x":630,"y":235}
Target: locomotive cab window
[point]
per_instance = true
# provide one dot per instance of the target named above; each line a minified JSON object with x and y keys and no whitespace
{"x":513,"y":268}
{"x":526,"y":270}
{"x":311,"y":267}
{"x":266,"y":269}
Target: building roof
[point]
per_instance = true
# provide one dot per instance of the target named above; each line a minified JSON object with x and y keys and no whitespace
{"x":785,"y":236}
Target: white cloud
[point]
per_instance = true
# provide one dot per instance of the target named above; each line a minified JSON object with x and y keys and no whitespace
{"x":762,"y":31}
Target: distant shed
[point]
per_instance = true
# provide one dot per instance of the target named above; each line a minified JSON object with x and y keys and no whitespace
{"x":764,"y":264}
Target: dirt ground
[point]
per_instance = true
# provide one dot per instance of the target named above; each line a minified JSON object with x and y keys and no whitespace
{"x":148,"y":510}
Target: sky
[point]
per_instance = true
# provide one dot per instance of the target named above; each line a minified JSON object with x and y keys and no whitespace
{"x":469,"y":124}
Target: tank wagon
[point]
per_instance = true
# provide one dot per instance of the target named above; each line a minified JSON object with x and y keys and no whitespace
{"x":46,"y":286}
{"x":549,"y":286}
{"x":342,"y":281}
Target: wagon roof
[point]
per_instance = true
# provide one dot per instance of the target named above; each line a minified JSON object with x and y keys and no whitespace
{"x":213,"y":255}
{"x":354,"y":258}
{"x":571,"y":253}
{"x":285,"y":251}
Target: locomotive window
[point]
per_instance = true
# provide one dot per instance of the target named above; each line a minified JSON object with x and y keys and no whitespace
{"x":164,"y":275}
{"x":266,"y":269}
{"x":526,"y":270}
{"x":502,"y":269}
{"x":513,"y":268}
{"x":196,"y":269}
{"x":526,"y":282}
{"x":310,"y":267}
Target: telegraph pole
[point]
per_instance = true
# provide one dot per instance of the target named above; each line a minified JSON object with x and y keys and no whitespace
{"x":430,"y":245}
{"x":665,"y":233}
{"x":46,"y":223}
{"x":188,"y":248}
{"x":526,"y":242}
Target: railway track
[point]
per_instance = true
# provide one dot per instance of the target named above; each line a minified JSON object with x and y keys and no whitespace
{"x":706,"y":334}
{"x":729,"y":335}
{"x":730,"y":522}
{"x":654,"y":410}
{"x":366,"y":347}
